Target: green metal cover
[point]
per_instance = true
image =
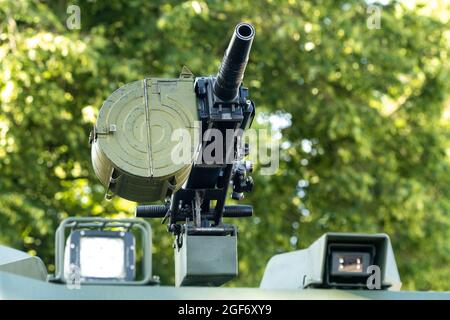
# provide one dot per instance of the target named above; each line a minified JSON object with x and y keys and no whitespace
{"x":132,"y":146}
{"x":305,"y":268}
{"x":21,"y":263}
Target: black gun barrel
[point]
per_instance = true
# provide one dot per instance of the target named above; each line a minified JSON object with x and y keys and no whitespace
{"x":233,"y":65}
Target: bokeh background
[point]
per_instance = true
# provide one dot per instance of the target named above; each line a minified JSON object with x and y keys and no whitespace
{"x":363,"y":115}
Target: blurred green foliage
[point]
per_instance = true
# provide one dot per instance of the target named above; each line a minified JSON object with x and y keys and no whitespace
{"x":365,"y":142}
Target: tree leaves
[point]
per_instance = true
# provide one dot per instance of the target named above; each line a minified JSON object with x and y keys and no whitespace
{"x":368,"y":139}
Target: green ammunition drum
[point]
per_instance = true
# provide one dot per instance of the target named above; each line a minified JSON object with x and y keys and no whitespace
{"x":133,"y":142}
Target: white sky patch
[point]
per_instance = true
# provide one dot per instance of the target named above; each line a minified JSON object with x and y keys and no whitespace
{"x":309,"y":46}
{"x":307,"y":145}
{"x":278,"y":121}
{"x":375,"y":2}
{"x":89,"y":114}
{"x":8,"y":92}
{"x":196,"y":6}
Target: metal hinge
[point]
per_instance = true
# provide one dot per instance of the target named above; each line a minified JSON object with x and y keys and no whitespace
{"x":95,"y":132}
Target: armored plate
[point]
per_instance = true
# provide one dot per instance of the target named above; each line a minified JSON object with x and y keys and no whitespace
{"x":14,"y":287}
{"x":134,"y":142}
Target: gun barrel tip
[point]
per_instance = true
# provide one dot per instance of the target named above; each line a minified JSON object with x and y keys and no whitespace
{"x":245,"y":31}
